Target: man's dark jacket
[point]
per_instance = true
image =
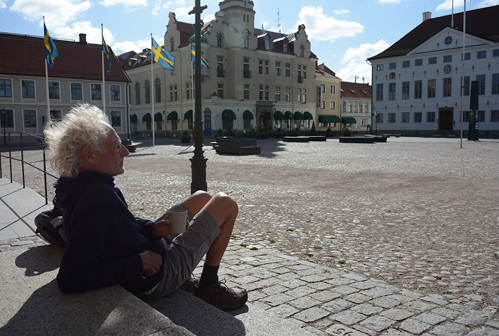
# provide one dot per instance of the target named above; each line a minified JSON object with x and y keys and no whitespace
{"x":104,"y":238}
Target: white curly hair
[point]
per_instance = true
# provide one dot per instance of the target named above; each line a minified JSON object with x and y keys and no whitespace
{"x":84,"y":125}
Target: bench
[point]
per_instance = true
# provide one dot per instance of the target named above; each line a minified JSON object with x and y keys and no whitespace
{"x":356,"y":139}
{"x":237,"y":146}
{"x":296,"y":139}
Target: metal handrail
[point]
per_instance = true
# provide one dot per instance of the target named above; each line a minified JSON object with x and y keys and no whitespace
{"x":39,"y":141}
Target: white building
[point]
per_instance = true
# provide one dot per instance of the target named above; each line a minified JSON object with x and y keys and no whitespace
{"x":417,"y":81}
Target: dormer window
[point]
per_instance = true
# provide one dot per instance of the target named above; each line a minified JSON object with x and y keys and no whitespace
{"x":172,"y":44}
{"x":302,"y":51}
{"x":267,"y":44}
{"x":285,"y":47}
{"x":220,"y":40}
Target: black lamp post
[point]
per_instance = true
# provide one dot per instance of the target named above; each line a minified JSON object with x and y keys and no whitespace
{"x":4,"y":121}
{"x":198,"y":161}
{"x":375,"y":116}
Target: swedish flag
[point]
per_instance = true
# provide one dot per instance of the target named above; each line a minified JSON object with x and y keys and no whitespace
{"x":163,"y":57}
{"x":204,"y":62}
{"x":107,"y":52}
{"x":50,"y":48}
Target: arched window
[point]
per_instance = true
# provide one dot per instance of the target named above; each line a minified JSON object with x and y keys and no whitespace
{"x":147,"y":87}
{"x":157,"y":86}
{"x":137,"y":93}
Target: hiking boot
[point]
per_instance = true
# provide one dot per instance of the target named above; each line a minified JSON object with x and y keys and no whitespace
{"x":190,"y":285}
{"x":221,"y":296}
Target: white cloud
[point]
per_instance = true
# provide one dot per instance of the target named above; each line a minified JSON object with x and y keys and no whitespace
{"x":487,"y":3}
{"x":57,"y":12}
{"x":137,"y":46}
{"x":321,"y":27}
{"x":447,"y":5}
{"x":72,"y":32}
{"x":341,"y":11}
{"x":129,"y":4}
{"x":2,"y":4}
{"x":354,"y":61}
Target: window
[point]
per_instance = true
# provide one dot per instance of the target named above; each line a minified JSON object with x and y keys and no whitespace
{"x":116,"y":118}
{"x":173,"y":92}
{"x":115,"y":92}
{"x":481,"y":54}
{"x":406,"y":64}
{"x":418,"y":117}
{"x":28,"y":88}
{"x":302,"y":51}
{"x":447,"y":58}
{"x":300,"y":76}
{"x":76,"y":91}
{"x":333,"y":89}
{"x":288,"y":94}
{"x":379,"y":118}
{"x":466,"y":85}
{"x":277,"y":93}
{"x":430,"y":116}
{"x":495,"y":83}
{"x":260,"y":67}
{"x":267,"y":92}
{"x":220,"y":40}
{"x":137,"y":93}
{"x":418,"y":62}
{"x":172,"y":44}
{"x":260,"y":92}
{"x":333,"y":105}
{"x":304,"y":96}
{"x":285,"y":47}
{"x":220,"y":90}
{"x":246,"y":41}
{"x":392,"y":117}
{"x":467,"y":56}
{"x":391,"y":91}
{"x":495,"y":53}
{"x":481,"y":84}
{"x":54,"y":90}
{"x":246,"y":91}
{"x":266,"y":68}
{"x":494,"y":116}
{"x":405,"y":90}
{"x":157,"y":90}
{"x":432,"y":60}
{"x":379,"y":92}
{"x":278,"y":69}
{"x":147,"y":88}
{"x":5,"y":88}
{"x":29,"y":118}
{"x":220,"y":66}
{"x":432,"y":85}
{"x":379,"y":67}
{"x":392,"y":66}
{"x":246,"y":67}
{"x":288,"y":69}
{"x":447,"y":87}
{"x":267,"y":43}
{"x":405,"y":117}
{"x":7,"y":121}
{"x":187,"y":90}
{"x":418,"y":89}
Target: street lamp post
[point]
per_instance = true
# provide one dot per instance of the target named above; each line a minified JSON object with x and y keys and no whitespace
{"x":4,"y":121}
{"x":375,"y":116}
{"x":198,"y":160}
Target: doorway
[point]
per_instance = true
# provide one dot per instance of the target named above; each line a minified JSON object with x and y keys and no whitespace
{"x":445,"y":119}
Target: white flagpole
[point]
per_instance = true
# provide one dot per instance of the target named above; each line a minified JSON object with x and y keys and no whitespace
{"x":152,"y":94}
{"x":47,"y":83}
{"x":192,"y":89}
{"x":103,"y":74}
{"x":462,"y":76}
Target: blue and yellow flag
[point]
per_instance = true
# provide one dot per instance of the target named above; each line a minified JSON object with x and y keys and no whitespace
{"x":107,"y":52}
{"x":163,"y":57}
{"x":50,"y":48}
{"x":204,"y":62}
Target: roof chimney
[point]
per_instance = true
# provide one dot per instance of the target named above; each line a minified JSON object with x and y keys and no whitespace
{"x":83,"y":39}
{"x":426,"y":16}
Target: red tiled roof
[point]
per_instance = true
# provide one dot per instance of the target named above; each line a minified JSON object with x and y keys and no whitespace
{"x":25,"y":55}
{"x":479,"y":22}
{"x":355,"y":90}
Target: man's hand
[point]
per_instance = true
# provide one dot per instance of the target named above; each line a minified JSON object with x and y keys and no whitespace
{"x":151,"y":262}
{"x":162,"y":228}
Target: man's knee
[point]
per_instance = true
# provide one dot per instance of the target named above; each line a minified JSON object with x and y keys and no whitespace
{"x":225,"y":202}
{"x":201,"y":196}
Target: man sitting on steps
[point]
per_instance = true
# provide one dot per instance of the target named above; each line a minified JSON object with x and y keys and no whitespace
{"x":107,"y":245}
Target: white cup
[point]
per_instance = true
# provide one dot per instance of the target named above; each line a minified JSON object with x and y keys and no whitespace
{"x":178,"y":221}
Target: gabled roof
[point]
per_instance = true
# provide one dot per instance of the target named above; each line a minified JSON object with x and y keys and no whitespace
{"x":25,"y":55}
{"x":355,"y":90}
{"x":482,"y":23}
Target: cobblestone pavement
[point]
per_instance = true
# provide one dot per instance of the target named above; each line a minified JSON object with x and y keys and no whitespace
{"x":395,"y":238}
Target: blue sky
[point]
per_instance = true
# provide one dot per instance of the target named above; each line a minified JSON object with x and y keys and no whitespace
{"x":343,"y":33}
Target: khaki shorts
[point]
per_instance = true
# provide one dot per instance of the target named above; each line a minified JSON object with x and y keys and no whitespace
{"x":183,"y":253}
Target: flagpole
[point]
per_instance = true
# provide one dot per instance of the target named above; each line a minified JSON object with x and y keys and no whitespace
{"x":103,"y":75}
{"x":192,"y":90}
{"x":47,"y":84}
{"x":462,"y":76}
{"x":152,"y":95}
